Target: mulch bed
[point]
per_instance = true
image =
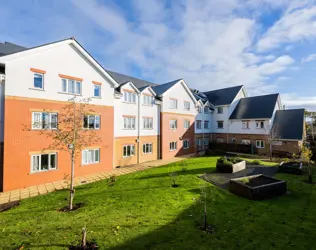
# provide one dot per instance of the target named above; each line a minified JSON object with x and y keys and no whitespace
{"x":9,"y":205}
{"x":74,"y":207}
{"x":89,"y":246}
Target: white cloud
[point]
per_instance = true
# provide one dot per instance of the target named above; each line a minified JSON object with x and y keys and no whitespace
{"x":293,"y":100}
{"x":309,"y":58}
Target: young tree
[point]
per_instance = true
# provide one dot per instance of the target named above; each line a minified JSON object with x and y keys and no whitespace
{"x":306,"y":157}
{"x":72,"y":134}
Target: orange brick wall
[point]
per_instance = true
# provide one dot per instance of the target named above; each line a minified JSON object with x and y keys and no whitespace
{"x":18,"y":143}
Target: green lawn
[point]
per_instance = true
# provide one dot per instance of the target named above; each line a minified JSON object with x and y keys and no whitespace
{"x":143,"y":211}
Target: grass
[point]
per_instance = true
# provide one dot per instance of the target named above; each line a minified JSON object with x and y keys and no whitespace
{"x":142,"y":211}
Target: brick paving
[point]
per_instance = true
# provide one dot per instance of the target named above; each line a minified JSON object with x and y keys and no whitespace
{"x":28,"y":192}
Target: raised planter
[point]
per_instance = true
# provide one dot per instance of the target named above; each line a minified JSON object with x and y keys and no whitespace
{"x":291,"y":167}
{"x":257,"y":187}
{"x":230,"y":168}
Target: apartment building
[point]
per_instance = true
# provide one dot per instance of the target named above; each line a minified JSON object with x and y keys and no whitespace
{"x":138,"y":121}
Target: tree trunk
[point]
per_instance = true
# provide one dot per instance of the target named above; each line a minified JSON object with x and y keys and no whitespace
{"x":310,"y":178}
{"x":84,"y":238}
{"x":72,"y":191}
{"x":271,"y":151}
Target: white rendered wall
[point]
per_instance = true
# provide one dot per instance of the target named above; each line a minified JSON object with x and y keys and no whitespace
{"x":235,"y":127}
{"x":1,"y":111}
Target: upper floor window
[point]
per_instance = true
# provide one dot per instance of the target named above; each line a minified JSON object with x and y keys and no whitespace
{"x":147,"y":122}
{"x":206,"y":110}
{"x":173,"y":103}
{"x":71,"y":86}
{"x":147,"y":148}
{"x":186,"y":144}
{"x":186,"y":105}
{"x":206,"y":124}
{"x":220,"y":124}
{"x":220,"y":110}
{"x":43,"y":162}
{"x":148,"y":100}
{"x":44,"y":120}
{"x":91,"y":122}
{"x":259,"y":124}
{"x":199,"y":124}
{"x":245,"y":124}
{"x":97,"y":90}
{"x":38,"y":81}
{"x":129,"y":97}
{"x":129,"y":122}
{"x":199,"y":109}
{"x":173,"y":124}
{"x":186,"y":124}
{"x":128,"y":150}
{"x":90,"y":156}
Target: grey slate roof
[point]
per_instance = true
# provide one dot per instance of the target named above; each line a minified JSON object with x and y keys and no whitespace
{"x":256,"y":107}
{"x":289,"y":124}
{"x":120,"y":78}
{"x":222,"y":96}
{"x":162,"y":88}
{"x":9,"y":48}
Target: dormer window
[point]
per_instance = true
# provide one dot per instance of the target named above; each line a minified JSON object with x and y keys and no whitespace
{"x":129,"y":97}
{"x":206,"y":110}
{"x":148,"y":100}
{"x":186,"y":106}
{"x":173,"y":103}
{"x":259,"y":124}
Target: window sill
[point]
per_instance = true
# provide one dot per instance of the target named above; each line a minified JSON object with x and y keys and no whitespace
{"x":147,"y":153}
{"x":128,"y":128}
{"x":124,"y":157}
{"x":43,"y":129}
{"x":96,"y":97}
{"x":220,"y":128}
{"x":65,"y":93}
{"x":87,"y":164}
{"x":185,"y":148}
{"x":148,"y":128}
{"x":44,"y":171}
{"x":172,"y":129}
{"x":147,"y":105}
{"x":88,"y":129}
{"x":38,"y":89}
{"x":129,"y":102}
{"x":171,"y":150}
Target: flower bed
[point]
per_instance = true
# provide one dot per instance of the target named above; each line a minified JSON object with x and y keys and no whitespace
{"x":230,"y":165}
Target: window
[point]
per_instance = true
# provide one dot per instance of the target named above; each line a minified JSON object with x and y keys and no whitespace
{"x":206,"y":110}
{"x":147,"y":122}
{"x":206,"y":141}
{"x":219,"y":140}
{"x":220,"y":124}
{"x":43,"y":162}
{"x":259,"y":124}
{"x":186,"y":144}
{"x":186,"y":124}
{"x":259,"y":143}
{"x":147,"y":148}
{"x":173,"y":124}
{"x":199,"y":142}
{"x":90,"y":156}
{"x":173,"y":103}
{"x":245,"y":141}
{"x":129,"y":97}
{"x":38,"y":81}
{"x":173,"y":146}
{"x":220,"y":110}
{"x":91,"y":122}
{"x":186,"y":105}
{"x":129,"y":122}
{"x":71,"y":86}
{"x":128,"y":150}
{"x":233,"y":140}
{"x":148,"y":100}
{"x":199,"y":124}
{"x":245,"y":124}
{"x":43,"y":120}
{"x":199,"y":109}
{"x":206,"y":123}
{"x":97,"y":90}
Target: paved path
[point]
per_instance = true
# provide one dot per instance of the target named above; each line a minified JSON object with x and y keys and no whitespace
{"x":50,"y":187}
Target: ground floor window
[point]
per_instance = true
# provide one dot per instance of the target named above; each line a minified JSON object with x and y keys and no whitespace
{"x":220,"y":140}
{"x":199,"y":142}
{"x":128,"y":150}
{"x":206,"y":141}
{"x":147,"y":148}
{"x":259,"y":143}
{"x":90,"y":156}
{"x":245,"y":141}
{"x":173,"y":146}
{"x":186,"y":144}
{"x":43,"y":162}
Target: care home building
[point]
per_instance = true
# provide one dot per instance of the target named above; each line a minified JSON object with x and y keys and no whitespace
{"x":138,"y":121}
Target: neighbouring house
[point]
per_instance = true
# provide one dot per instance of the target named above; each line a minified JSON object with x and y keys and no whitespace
{"x":138,"y":120}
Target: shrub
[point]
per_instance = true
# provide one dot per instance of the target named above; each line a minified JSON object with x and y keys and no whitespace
{"x":111,"y":180}
{"x":255,"y":162}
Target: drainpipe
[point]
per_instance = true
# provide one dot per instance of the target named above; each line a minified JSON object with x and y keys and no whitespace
{"x":159,"y":131}
{"x":138,"y":129}
{"x":202,"y":125}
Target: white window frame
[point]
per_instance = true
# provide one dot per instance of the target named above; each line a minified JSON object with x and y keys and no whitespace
{"x":206,"y":110}
{"x":245,"y":124}
{"x":245,"y":141}
{"x":259,"y":123}
{"x":131,"y":150}
{"x":148,"y":122}
{"x":40,"y":160}
{"x":66,"y":90}
{"x":95,"y":127}
{"x":173,"y":103}
{"x":186,"y":144}
{"x":260,"y":144}
{"x":173,"y":124}
{"x":173,"y":146}
{"x":129,"y":122}
{"x":220,"y":110}
{"x":218,"y":124}
{"x":98,"y":86}
{"x":199,"y":142}
{"x":199,"y":109}
{"x":40,"y":125}
{"x":42,"y":75}
{"x":208,"y":124}
{"x":219,"y":140}
{"x":198,"y":124}
{"x":186,"y":124}
{"x":186,"y":106}
{"x":147,"y":148}
{"x":129,"y":97}
{"x":92,"y":160}
{"x":148,"y":100}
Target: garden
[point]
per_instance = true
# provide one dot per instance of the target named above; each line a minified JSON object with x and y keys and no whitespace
{"x":163,"y":208}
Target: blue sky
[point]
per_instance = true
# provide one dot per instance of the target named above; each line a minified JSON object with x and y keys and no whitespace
{"x":266,"y":45}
